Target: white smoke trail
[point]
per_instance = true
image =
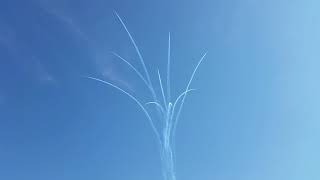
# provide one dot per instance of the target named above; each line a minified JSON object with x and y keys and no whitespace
{"x":165,"y":133}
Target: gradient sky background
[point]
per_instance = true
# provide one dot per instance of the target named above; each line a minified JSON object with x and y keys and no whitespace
{"x":255,"y":114}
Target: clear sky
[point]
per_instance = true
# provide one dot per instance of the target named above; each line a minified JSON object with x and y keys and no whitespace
{"x":255,"y":114}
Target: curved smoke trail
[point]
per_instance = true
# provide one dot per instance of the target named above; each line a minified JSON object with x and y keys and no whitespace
{"x":165,"y":134}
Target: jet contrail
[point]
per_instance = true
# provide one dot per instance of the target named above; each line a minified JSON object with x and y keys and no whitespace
{"x":168,"y":111}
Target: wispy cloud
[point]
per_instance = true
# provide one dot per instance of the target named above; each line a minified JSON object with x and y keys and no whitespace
{"x":25,"y":61}
{"x":106,"y":68}
{"x":68,"y":21}
{"x":42,"y":75}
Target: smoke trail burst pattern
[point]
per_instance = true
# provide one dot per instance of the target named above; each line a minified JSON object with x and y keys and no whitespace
{"x":168,"y":110}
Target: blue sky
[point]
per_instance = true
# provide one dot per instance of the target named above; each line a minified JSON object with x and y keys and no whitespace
{"x":254,"y":116}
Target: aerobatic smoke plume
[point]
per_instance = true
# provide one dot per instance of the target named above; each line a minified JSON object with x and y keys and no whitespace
{"x":167,"y":110}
